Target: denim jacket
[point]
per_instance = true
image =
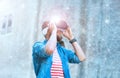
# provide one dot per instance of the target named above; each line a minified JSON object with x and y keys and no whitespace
{"x":42,"y":61}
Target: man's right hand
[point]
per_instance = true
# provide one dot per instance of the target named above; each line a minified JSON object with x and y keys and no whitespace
{"x":52,"y":27}
{"x":52,"y":41}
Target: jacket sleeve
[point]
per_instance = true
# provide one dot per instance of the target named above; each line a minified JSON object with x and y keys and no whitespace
{"x":39,"y":50}
{"x":72,"y":57}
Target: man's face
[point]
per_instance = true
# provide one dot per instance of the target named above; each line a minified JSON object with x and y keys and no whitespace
{"x":59,"y":34}
{"x":61,"y":26}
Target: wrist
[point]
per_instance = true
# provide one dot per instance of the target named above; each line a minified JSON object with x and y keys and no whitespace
{"x":54,"y":30}
{"x":72,"y":40}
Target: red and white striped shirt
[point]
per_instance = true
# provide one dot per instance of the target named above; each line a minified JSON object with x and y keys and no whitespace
{"x":56,"y":69}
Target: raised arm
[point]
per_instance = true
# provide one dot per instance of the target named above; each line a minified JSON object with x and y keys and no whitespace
{"x":79,"y":52}
{"x":52,"y":39}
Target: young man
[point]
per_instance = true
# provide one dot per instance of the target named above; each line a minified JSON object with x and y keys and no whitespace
{"x":50,"y":58}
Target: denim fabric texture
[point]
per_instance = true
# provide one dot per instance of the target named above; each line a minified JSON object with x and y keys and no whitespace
{"x":42,"y":61}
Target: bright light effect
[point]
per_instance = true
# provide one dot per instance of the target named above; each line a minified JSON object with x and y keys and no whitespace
{"x":5,"y":6}
{"x":55,"y":19}
{"x":58,"y":20}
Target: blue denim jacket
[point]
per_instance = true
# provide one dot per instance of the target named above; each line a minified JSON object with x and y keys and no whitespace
{"x":42,"y":61}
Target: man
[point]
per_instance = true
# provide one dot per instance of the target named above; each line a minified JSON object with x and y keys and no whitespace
{"x":50,"y":58}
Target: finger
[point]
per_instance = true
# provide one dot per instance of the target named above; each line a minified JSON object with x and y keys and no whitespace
{"x":50,"y":27}
{"x":64,"y":32}
{"x":69,"y":29}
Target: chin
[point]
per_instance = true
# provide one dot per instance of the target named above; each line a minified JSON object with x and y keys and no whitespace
{"x":59,"y":38}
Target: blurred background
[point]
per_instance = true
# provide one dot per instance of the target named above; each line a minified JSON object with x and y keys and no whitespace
{"x":95,"y":25}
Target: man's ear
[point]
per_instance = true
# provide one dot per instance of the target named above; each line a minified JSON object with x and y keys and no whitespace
{"x":44,"y":31}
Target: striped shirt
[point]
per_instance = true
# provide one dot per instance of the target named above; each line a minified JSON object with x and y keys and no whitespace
{"x":56,"y":69}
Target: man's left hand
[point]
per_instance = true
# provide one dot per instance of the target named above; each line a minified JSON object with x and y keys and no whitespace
{"x":68,"y":34}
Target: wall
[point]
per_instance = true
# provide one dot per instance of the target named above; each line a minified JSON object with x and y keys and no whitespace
{"x":103,"y":39}
{"x":95,"y":24}
{"x":17,"y":22}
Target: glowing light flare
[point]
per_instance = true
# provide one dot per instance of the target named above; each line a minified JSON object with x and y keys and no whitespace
{"x":59,"y":21}
{"x":4,"y":6}
{"x":55,"y":19}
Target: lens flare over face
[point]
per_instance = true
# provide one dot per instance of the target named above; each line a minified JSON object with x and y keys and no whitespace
{"x":55,"y":19}
{"x":59,"y":22}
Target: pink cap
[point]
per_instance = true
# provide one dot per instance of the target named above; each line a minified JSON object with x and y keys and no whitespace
{"x":45,"y":24}
{"x":62,"y":25}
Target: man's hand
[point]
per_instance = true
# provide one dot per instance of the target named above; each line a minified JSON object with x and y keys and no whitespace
{"x":52,"y":27}
{"x":78,"y":50}
{"x":52,"y":40}
{"x":68,"y":34}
